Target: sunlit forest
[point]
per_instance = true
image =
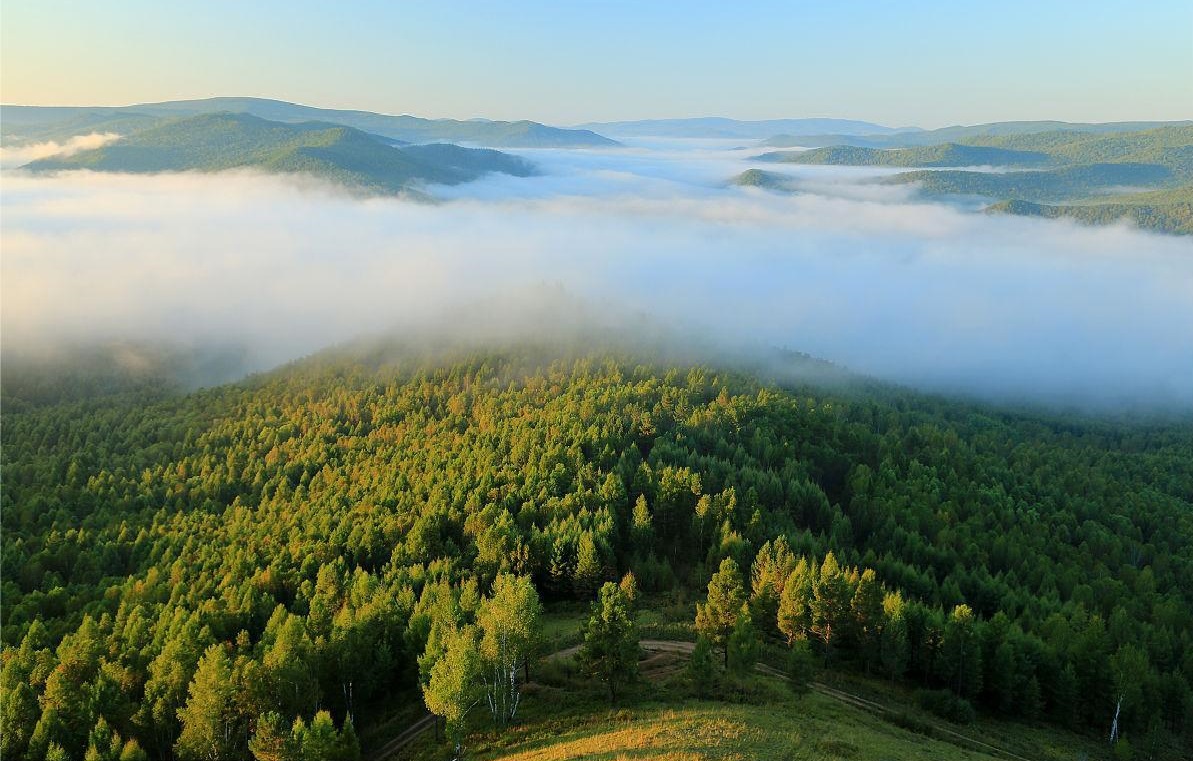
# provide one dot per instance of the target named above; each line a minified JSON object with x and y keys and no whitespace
{"x":244,"y":571}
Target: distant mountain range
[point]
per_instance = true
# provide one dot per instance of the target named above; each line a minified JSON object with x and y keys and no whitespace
{"x":344,"y":155}
{"x":1089,"y":174}
{"x":718,"y":127}
{"x":948,"y":154}
{"x":25,"y":124}
{"x":915,"y":137}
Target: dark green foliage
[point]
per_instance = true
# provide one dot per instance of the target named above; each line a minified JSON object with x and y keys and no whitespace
{"x":717,"y":617}
{"x":701,"y":667}
{"x":801,"y":667}
{"x":743,"y":646}
{"x":946,"y":705}
{"x":223,"y":141}
{"x":610,"y":650}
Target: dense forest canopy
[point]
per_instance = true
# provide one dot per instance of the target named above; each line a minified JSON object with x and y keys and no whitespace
{"x":266,"y":556}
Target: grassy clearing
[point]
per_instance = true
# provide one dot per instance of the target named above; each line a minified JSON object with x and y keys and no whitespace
{"x":756,"y":716}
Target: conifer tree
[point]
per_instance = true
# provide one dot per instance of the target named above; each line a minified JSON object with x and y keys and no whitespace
{"x":716,"y":617}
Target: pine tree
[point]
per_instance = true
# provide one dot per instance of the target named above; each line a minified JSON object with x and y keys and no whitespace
{"x":893,"y":644}
{"x":716,"y":617}
{"x":610,"y":649}
{"x":701,"y":668}
{"x":795,"y":603}
{"x":801,"y":667}
{"x":743,"y":646}
{"x":830,"y":604}
{"x":867,"y":609}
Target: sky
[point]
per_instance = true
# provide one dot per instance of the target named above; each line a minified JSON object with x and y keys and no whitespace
{"x":919,"y":63}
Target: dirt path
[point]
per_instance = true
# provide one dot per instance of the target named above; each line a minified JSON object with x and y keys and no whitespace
{"x":685,"y":648}
{"x":407,"y":736}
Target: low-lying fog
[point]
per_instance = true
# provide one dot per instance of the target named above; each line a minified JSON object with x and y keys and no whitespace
{"x":865,"y":275}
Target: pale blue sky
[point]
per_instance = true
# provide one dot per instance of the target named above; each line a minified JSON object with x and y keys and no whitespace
{"x":910,"y":62}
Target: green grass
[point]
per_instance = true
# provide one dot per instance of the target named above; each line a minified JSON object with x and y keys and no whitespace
{"x":565,"y":716}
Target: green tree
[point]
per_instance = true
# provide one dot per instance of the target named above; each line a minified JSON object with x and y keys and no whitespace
{"x":610,"y":649}
{"x":960,"y":662}
{"x":211,"y":724}
{"x":830,"y":604}
{"x":701,"y":667}
{"x":509,"y":624}
{"x":743,"y":646}
{"x":768,"y":575}
{"x":867,"y":609}
{"x":454,"y":687}
{"x":273,"y":740}
{"x":716,"y":617}
{"x":1128,"y":668}
{"x":893,"y":639}
{"x":801,"y":667}
{"x":795,"y":603}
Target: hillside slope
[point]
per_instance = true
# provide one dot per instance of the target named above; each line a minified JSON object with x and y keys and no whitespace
{"x":308,"y":524}
{"x":216,"y":142}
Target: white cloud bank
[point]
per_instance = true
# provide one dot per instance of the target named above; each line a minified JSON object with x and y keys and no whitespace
{"x":919,"y":293}
{"x":20,"y":155}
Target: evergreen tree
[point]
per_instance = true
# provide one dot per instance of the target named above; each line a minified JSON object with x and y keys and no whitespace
{"x":795,"y":603}
{"x":960,"y":663}
{"x":830,"y":604}
{"x":743,"y":645}
{"x":716,"y":617}
{"x":701,"y":667}
{"x":801,"y":667}
{"x":867,"y":609}
{"x":610,"y":649}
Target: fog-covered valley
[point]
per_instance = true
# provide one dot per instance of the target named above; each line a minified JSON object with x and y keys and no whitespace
{"x":866,"y":275}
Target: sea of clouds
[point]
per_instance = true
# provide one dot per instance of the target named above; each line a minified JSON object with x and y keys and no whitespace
{"x":863,"y":274}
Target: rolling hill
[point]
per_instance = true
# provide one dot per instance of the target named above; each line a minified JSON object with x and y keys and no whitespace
{"x":719,"y":127}
{"x":37,"y":123}
{"x":957,"y":134}
{"x":948,"y":154}
{"x":1040,"y":186}
{"x":347,"y":156}
{"x":1165,"y":211}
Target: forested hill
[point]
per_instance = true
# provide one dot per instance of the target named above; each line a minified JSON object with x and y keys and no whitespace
{"x":948,"y":154}
{"x":216,"y":142}
{"x":257,"y":552}
{"x":25,"y":124}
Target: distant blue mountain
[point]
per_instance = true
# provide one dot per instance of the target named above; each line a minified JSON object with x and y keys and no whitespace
{"x":719,"y":127}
